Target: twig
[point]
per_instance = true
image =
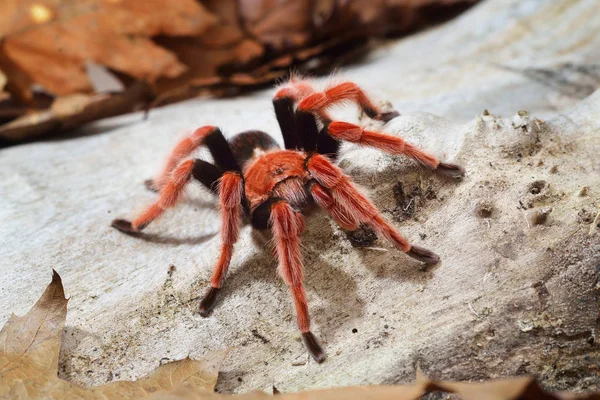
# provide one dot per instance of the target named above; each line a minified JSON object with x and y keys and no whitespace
{"x":377,"y":248}
{"x":473,"y":311}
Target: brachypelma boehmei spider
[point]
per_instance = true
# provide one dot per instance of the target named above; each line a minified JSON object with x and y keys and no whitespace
{"x":251,"y":174}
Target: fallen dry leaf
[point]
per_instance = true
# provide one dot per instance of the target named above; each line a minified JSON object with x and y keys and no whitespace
{"x":186,"y":49}
{"x":2,"y":80}
{"x":115,"y":34}
{"x":29,"y":360}
{"x":278,"y":24}
{"x":29,"y":367}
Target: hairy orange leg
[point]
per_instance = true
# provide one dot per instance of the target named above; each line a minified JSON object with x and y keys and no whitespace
{"x":169,"y":195}
{"x":325,"y":200}
{"x":360,"y":207}
{"x":391,"y":144}
{"x":182,"y":150}
{"x":346,"y":91}
{"x":287,"y":224}
{"x":231,"y":192}
{"x":296,"y":90}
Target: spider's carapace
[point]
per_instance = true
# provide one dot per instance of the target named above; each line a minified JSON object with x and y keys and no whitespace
{"x":272,"y":186}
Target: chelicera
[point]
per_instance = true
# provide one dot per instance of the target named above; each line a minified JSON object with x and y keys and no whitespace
{"x":273,"y":186}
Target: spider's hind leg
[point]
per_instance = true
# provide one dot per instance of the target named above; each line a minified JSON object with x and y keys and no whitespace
{"x":284,"y":102}
{"x":392,"y":145}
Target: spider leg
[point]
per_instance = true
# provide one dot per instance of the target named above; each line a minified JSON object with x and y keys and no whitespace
{"x":346,"y":91}
{"x":312,"y":138}
{"x":336,"y":210}
{"x":207,"y":135}
{"x":287,"y":224}
{"x":360,"y":207}
{"x":231,"y":195}
{"x":284,"y":111}
{"x":391,"y":144}
{"x":295,"y":135}
{"x":168,"y":197}
{"x":204,"y":172}
{"x":283,"y":102}
{"x":181,"y":151}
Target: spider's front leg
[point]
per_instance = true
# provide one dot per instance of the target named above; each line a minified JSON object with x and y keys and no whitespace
{"x":231,"y":196}
{"x":335,"y":192}
{"x":169,"y":194}
{"x":287,"y":224}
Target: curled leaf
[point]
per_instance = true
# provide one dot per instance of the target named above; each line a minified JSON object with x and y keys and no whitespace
{"x":29,"y":361}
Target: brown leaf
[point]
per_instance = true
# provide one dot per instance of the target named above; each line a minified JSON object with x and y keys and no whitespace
{"x":29,"y":360}
{"x":2,"y":80}
{"x":278,"y":24}
{"x":115,"y":34}
{"x":31,"y":343}
{"x":204,"y":56}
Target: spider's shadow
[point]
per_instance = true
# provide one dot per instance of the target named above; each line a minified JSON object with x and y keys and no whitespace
{"x":171,"y":240}
{"x":192,"y":201}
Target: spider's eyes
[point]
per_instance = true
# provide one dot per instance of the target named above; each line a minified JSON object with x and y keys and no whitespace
{"x":279,"y":171}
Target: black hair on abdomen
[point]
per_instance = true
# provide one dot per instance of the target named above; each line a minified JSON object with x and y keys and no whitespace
{"x":243,"y":145}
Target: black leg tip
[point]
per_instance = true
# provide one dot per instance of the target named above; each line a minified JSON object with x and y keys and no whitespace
{"x":387,"y":116}
{"x":451,"y":170}
{"x":150,"y":185}
{"x":423,"y":255}
{"x":313,"y":346}
{"x":123,"y":225}
{"x":208,"y":301}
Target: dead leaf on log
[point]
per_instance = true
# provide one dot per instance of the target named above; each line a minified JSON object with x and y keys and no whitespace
{"x":2,"y":81}
{"x":185,"y":49}
{"x":115,"y":34}
{"x":278,"y":24}
{"x":29,"y":361}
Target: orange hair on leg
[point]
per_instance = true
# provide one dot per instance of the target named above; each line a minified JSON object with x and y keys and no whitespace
{"x":231,"y":193}
{"x":287,"y":224}
{"x":325,"y":200}
{"x":295,"y":89}
{"x":230,"y":204}
{"x":360,"y":207}
{"x":169,"y":195}
{"x":389,"y":144}
{"x":298,"y":89}
{"x":343,"y":92}
{"x":182,"y":150}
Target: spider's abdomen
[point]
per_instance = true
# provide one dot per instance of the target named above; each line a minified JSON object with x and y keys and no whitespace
{"x":280,"y":173}
{"x":245,"y":145}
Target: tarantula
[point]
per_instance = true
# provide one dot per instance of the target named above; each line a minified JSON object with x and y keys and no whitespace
{"x":252,"y":175}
